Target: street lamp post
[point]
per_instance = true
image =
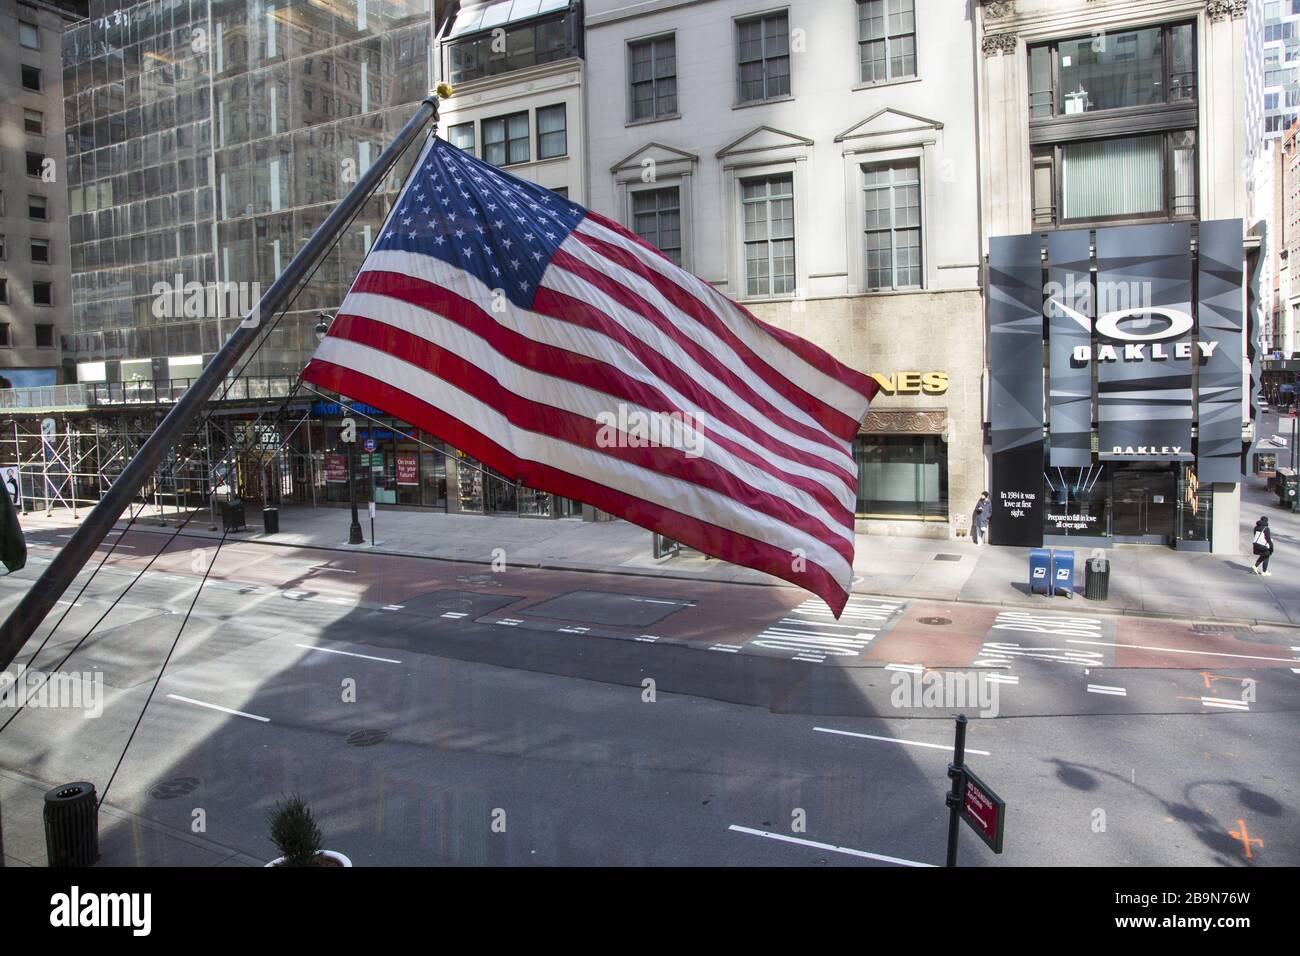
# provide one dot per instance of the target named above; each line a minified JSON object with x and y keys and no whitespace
{"x":354,"y":533}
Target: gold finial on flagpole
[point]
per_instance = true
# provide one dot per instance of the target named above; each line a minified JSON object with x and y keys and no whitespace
{"x":444,"y":91}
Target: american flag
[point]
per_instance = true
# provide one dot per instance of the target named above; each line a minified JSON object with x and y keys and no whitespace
{"x":562,"y":350}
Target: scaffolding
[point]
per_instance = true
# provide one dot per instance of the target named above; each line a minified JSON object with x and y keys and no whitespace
{"x":252,"y":454}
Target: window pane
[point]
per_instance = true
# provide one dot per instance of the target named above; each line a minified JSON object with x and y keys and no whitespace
{"x":1113,"y":177}
{"x":1111,"y":70}
{"x":1040,"y":81}
{"x":902,"y":476}
{"x":1182,"y":75}
{"x":462,"y":136}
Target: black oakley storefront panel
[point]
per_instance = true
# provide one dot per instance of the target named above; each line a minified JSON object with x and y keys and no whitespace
{"x":1219,"y":324}
{"x":1015,"y":315}
{"x":1069,"y":316}
{"x":1144,"y":343}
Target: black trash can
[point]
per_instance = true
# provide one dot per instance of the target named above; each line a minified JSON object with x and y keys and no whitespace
{"x":1096,"y":585}
{"x":232,"y":515}
{"x":271,"y":520}
{"x":72,"y":825}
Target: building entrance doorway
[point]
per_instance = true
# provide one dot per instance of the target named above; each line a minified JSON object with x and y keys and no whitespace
{"x":1143,"y":500}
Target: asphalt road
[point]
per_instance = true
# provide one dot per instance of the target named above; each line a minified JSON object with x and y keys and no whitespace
{"x":439,"y":713}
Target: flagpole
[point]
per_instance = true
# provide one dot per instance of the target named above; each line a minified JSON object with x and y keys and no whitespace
{"x":67,"y":564}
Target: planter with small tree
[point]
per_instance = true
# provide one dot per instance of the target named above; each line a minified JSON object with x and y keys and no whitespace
{"x":296,"y":835}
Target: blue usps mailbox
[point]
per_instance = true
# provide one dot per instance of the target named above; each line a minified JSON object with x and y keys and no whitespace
{"x":1063,"y":572}
{"x":1040,"y":570}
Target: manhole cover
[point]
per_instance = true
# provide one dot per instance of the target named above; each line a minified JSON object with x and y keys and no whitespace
{"x":453,"y":604}
{"x":367,"y":738}
{"x":935,"y":621}
{"x":947,"y":557}
{"x":177,"y":787}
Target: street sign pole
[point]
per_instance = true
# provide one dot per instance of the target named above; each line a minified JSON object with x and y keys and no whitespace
{"x":957,"y":774}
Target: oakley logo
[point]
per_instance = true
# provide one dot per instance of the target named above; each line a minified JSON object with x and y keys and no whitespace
{"x":1179,"y":323}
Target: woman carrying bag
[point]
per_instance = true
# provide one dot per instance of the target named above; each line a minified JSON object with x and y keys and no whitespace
{"x":1263,"y":547}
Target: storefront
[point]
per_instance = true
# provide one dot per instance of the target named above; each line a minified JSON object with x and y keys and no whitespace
{"x":396,"y":464}
{"x":1127,"y":427}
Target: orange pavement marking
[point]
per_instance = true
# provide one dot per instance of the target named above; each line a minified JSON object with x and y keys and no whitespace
{"x":1245,"y":838}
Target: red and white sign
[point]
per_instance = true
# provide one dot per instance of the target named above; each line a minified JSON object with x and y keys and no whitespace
{"x":336,"y":468}
{"x":983,"y":810}
{"x":407,"y":470}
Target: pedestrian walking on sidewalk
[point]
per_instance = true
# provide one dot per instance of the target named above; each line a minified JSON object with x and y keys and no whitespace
{"x":979,"y":528}
{"x":1263,"y":546}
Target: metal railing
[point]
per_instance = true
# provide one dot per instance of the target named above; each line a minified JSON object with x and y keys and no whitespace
{"x":144,"y":392}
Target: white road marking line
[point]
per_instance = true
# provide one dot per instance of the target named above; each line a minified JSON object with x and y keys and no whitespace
{"x":827,"y":846}
{"x":393,"y":607}
{"x":648,"y":638}
{"x":657,"y":601}
{"x":725,"y":648}
{"x":905,"y":668}
{"x":574,"y":630}
{"x":321,"y":567}
{"x":808,"y":657}
{"x":1178,"y":650}
{"x":509,"y":622}
{"x":454,"y":614}
{"x":330,"y":650}
{"x":1224,"y":702}
{"x":1106,"y":689}
{"x":897,"y":740}
{"x":224,"y":710}
{"x":1295,"y":670}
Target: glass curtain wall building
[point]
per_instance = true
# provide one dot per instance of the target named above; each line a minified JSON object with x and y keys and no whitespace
{"x":206,"y":140}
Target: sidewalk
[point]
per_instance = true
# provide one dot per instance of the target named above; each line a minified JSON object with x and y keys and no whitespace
{"x":1146,"y":580}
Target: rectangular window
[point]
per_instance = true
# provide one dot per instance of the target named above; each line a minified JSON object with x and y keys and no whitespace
{"x":1127,"y":69}
{"x":886,"y":39}
{"x":653,"y":66}
{"x":34,"y":163}
{"x":552,"y":136}
{"x":40,"y":250}
{"x":892,"y":225}
{"x":44,"y":335}
{"x":1113,"y":178}
{"x":2,"y":248}
{"x":768,"y":216}
{"x":763,"y":58}
{"x":36,"y":208}
{"x":4,"y":290}
{"x":43,"y":293}
{"x":34,"y":122}
{"x":902,"y":476}
{"x":462,"y":136}
{"x":31,"y":78}
{"x":5,"y":340}
{"x":657,"y":218}
{"x":505,"y":139}
{"x":28,"y":35}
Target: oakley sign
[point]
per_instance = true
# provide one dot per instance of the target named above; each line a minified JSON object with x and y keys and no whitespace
{"x":1128,"y":327}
